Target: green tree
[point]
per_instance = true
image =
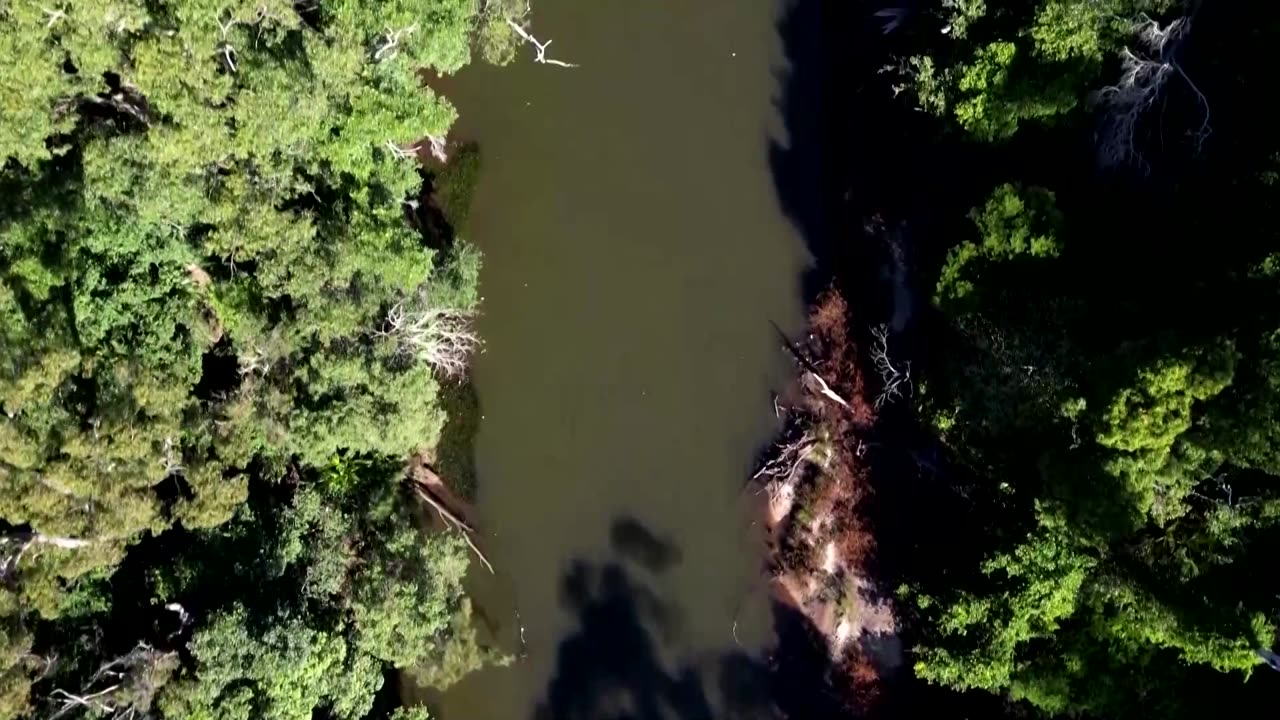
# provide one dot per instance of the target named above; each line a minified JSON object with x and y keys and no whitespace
{"x":208,"y":285}
{"x":209,"y":179}
{"x":1027,"y":61}
{"x":1119,"y":479}
{"x":283,"y":673}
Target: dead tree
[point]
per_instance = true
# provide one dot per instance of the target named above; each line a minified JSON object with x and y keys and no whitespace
{"x":442,"y":337}
{"x":1145,"y":72}
{"x":391,"y":42}
{"x":14,"y":547}
{"x":894,"y":379}
{"x":436,"y":143}
{"x":225,"y":47}
{"x":539,"y":47}
{"x":787,"y":458}
{"x":132,"y":682}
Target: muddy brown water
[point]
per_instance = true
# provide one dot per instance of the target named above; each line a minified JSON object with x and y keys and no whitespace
{"x":636,"y":266}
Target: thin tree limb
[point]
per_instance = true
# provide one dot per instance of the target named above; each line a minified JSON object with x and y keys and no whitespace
{"x":444,"y":511}
{"x":540,"y":48}
{"x":463,"y":528}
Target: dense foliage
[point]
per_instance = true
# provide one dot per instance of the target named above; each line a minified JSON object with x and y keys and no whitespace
{"x":1105,"y":362}
{"x":212,"y":304}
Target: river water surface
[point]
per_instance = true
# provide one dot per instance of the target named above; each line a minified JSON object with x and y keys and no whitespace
{"x":637,"y":271}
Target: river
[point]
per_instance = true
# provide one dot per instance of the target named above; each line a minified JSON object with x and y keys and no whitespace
{"x":638,"y":269}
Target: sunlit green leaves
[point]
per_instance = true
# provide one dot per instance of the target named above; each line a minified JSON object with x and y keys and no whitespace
{"x":1014,"y":224}
{"x":204,"y":228}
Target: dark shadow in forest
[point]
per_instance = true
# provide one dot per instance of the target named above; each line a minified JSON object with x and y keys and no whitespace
{"x":855,"y":161}
{"x":851,"y":172}
{"x":847,"y":150}
{"x":442,"y":211}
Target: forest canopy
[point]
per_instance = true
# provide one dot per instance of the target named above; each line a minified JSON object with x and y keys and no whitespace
{"x":1102,"y":368}
{"x":223,"y":330}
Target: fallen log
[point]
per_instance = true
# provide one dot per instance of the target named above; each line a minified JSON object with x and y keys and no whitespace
{"x":457,"y":523}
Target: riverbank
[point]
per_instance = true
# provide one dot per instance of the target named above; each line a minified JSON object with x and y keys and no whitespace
{"x":813,"y":484}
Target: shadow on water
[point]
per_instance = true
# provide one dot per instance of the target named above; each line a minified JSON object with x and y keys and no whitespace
{"x":632,"y":540}
{"x":617,"y":664}
{"x":614,"y":664}
{"x":847,"y":144}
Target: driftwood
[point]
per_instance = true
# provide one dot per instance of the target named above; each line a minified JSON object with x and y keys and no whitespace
{"x":811,"y":370}
{"x":539,"y":47}
{"x":449,"y":517}
{"x":444,"y":512}
{"x":827,"y":392}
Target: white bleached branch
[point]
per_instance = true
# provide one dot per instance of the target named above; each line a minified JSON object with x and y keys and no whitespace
{"x":787,"y":459}
{"x":1145,"y":71}
{"x":89,"y":702}
{"x":894,"y":378}
{"x":226,"y":49}
{"x":391,"y":41}
{"x":15,"y":546}
{"x":401,"y":153}
{"x":539,"y":47}
{"x":437,"y":145}
{"x":825,"y":390}
{"x":254,"y":362}
{"x":442,"y":337}
{"x":54,"y":17}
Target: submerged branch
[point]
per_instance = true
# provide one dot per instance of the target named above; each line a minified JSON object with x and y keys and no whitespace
{"x":539,"y":47}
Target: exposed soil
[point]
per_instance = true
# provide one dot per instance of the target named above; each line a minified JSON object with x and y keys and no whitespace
{"x":821,"y":551}
{"x":422,"y":472}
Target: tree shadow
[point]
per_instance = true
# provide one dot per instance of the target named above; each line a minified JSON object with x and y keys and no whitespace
{"x":632,"y":540}
{"x":456,"y":450}
{"x":612,"y":666}
{"x":623,"y":659}
{"x":871,"y":185}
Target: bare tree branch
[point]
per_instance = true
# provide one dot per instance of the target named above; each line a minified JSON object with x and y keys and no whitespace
{"x":14,"y":547}
{"x":787,"y":458}
{"x":391,"y":41}
{"x":437,"y":145}
{"x":442,"y":337}
{"x":539,"y":47}
{"x":89,"y":702}
{"x":130,"y":673}
{"x":226,"y":48}
{"x":1145,"y":71}
{"x":457,"y":523}
{"x":894,"y":378}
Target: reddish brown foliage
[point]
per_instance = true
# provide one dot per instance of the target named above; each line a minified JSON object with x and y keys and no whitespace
{"x":828,"y":505}
{"x":860,"y":680}
{"x":835,"y":355}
